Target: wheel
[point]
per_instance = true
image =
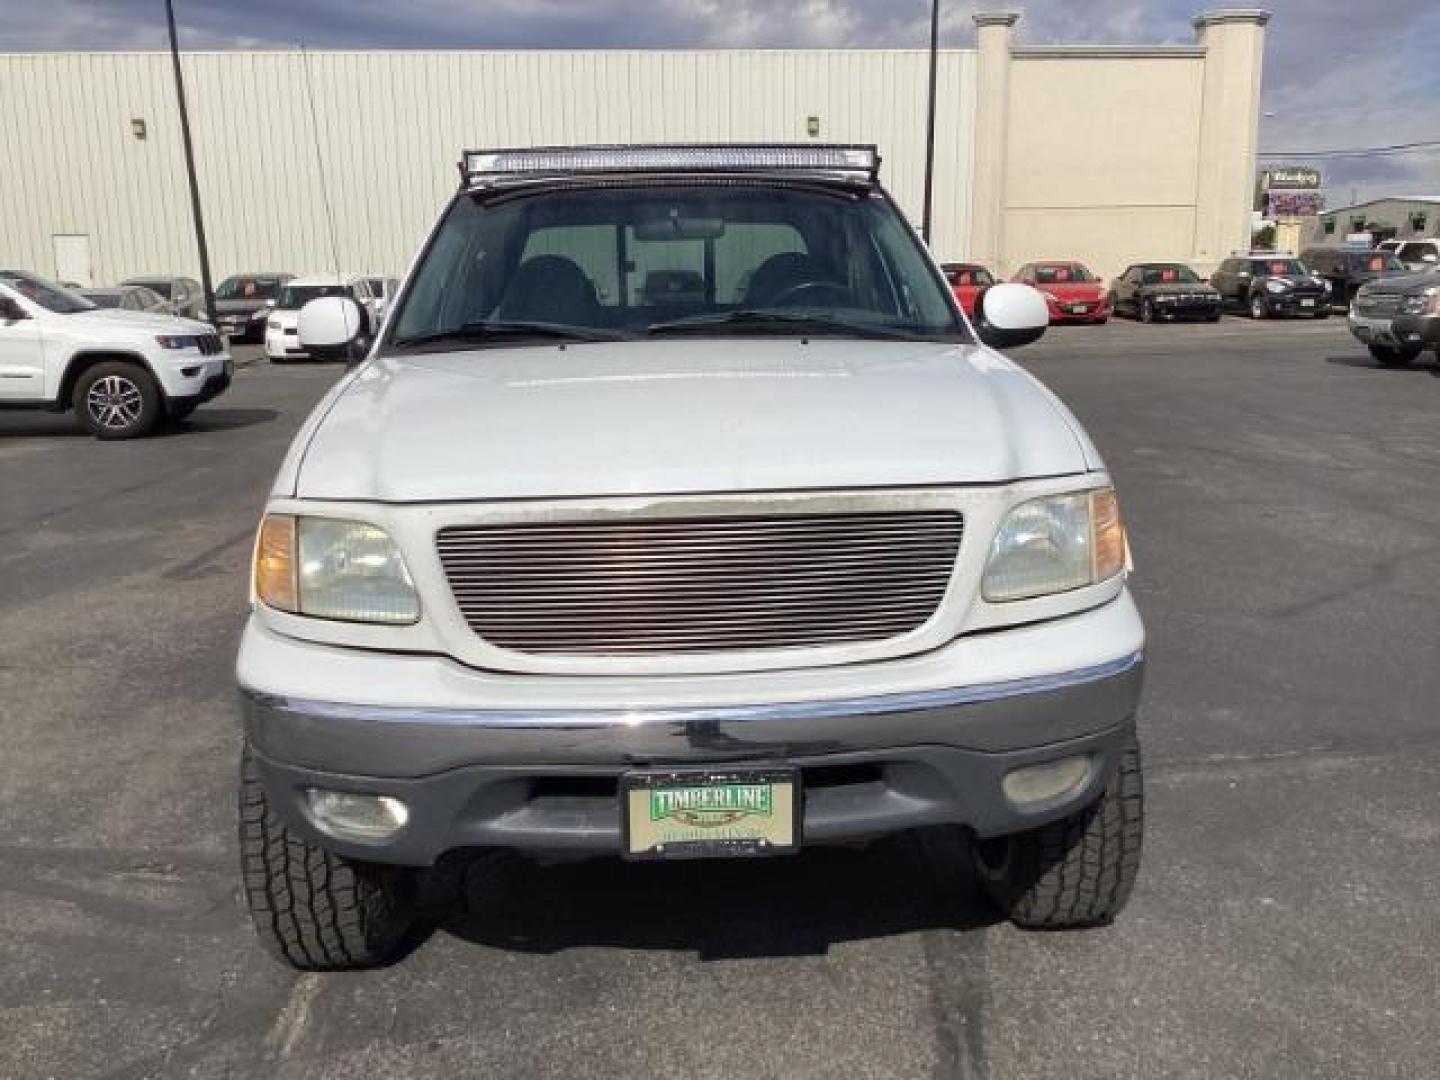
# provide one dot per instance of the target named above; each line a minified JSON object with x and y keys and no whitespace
{"x":1147,"y":310}
{"x":117,"y":400}
{"x":1258,"y":308}
{"x":316,"y":910}
{"x":1075,"y":872}
{"x":1112,"y":302}
{"x":1394,"y":355}
{"x":1323,"y":313}
{"x":1213,"y":318}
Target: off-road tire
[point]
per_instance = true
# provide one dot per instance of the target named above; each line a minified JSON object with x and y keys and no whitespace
{"x":1078,"y":871}
{"x":117,"y":399}
{"x":1394,"y":355}
{"x":318,"y":911}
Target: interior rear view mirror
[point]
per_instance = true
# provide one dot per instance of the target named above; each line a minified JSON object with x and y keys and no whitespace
{"x":678,"y":228}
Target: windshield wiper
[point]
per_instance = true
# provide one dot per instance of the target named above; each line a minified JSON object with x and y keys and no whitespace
{"x":814,"y":324}
{"x":483,"y":331}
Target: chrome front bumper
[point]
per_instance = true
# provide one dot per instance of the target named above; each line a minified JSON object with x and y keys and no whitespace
{"x":546,"y":780}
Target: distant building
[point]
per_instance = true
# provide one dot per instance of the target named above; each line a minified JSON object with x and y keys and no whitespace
{"x":1400,"y":217}
{"x":336,"y":160}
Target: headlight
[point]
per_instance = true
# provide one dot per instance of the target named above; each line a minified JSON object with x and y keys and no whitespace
{"x":1426,"y":303}
{"x":177,"y":341}
{"x":258,"y":313}
{"x":1054,"y":544}
{"x":333,"y":569}
{"x":1276,"y":286}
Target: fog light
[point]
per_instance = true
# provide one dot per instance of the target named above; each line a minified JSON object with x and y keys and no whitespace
{"x":350,"y":815}
{"x":1042,"y":783}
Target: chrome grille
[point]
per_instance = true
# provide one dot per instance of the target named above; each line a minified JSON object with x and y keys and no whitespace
{"x":701,"y":584}
{"x":209,"y":344}
{"x":1381,"y":305}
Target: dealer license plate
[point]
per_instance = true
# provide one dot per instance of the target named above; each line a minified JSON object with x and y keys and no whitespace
{"x":1307,"y":303}
{"x":711,"y":813}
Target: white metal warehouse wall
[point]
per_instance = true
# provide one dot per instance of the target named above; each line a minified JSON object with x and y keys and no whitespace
{"x":390,"y":127}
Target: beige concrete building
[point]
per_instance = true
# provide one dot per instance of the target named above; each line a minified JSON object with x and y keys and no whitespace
{"x":318,"y":160}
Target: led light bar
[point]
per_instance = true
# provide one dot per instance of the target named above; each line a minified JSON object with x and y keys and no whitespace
{"x":496,"y":168}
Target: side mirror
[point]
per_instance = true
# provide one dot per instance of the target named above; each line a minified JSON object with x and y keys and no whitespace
{"x":330,"y":327}
{"x":10,"y":311}
{"x":1010,"y":315}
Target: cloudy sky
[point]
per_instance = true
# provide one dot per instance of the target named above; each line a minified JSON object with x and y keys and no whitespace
{"x":1338,"y":74}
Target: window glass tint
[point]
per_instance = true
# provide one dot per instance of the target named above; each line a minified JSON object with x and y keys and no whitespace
{"x":1062,"y":274}
{"x":620,"y":259}
{"x":1167,"y":275}
{"x":44,"y":292}
{"x":158,"y":286}
{"x":244,"y":287}
{"x":1280,"y":268}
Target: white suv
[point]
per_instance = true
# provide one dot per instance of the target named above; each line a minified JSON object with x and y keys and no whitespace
{"x":282,"y":341}
{"x":679,"y":512}
{"x":123,"y":372}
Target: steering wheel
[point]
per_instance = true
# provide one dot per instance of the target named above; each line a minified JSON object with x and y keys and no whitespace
{"x":796,"y":295}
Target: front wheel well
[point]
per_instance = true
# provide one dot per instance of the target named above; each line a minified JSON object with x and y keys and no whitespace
{"x":84,"y":361}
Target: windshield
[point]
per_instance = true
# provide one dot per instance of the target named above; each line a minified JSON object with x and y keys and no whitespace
{"x":1280,"y":268}
{"x":46,"y":293}
{"x":294,"y":297}
{"x":629,"y":261}
{"x":160,"y":286}
{"x":963,"y":276}
{"x":1169,"y":275}
{"x":1062,"y":274}
{"x":1376,"y":262}
{"x":248,"y":288}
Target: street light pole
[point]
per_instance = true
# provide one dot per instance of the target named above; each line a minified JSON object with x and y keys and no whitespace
{"x":205,"y":282}
{"x":930,"y":120}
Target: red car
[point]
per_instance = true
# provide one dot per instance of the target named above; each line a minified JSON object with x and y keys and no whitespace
{"x":968,"y":280}
{"x":1072,"y":292}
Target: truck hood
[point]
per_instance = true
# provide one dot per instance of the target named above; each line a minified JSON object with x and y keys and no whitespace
{"x":684,"y":416}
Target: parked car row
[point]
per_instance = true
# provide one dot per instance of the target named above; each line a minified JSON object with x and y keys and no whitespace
{"x":1261,"y":284}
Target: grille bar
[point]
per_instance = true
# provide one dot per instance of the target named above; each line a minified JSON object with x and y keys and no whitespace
{"x":701,"y":584}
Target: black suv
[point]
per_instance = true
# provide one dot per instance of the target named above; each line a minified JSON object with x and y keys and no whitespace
{"x":1268,"y":284}
{"x":1346,"y":269}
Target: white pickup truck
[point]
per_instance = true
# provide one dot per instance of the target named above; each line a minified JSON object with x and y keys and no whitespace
{"x":679,"y":512}
{"x":123,"y":372}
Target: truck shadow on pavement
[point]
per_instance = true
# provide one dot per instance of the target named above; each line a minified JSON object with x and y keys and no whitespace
{"x":1419,"y":367}
{"x":749,"y":908}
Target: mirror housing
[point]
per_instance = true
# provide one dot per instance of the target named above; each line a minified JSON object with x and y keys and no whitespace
{"x":330,"y":327}
{"x":1009,"y":315}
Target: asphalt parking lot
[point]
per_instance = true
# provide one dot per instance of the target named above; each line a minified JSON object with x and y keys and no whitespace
{"x":1283,"y":495}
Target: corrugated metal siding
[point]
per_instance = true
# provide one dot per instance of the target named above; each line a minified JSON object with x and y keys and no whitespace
{"x":388,"y":127}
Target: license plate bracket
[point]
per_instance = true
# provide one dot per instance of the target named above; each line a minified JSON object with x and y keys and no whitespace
{"x":719,"y":813}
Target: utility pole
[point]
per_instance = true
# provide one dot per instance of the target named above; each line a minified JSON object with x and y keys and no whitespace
{"x":205,"y":282}
{"x":930,"y":120}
